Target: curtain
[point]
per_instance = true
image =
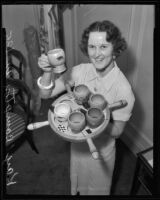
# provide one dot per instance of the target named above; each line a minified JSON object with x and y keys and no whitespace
{"x":49,"y":28}
{"x":51,"y":25}
{"x":39,"y":39}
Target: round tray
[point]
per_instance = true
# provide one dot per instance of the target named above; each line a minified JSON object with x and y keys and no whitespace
{"x":62,"y":128}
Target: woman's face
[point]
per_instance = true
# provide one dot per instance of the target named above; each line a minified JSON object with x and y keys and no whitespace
{"x":100,"y":51}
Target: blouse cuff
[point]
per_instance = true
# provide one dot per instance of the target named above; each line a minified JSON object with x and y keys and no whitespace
{"x":42,"y":86}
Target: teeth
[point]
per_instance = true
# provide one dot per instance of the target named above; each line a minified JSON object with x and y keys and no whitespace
{"x":98,"y":60}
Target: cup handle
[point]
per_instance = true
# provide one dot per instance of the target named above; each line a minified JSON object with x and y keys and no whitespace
{"x":118,"y":104}
{"x":36,"y":125}
{"x":92,"y":149}
{"x":91,"y":145}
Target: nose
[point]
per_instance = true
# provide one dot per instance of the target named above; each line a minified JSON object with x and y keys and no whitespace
{"x":97,"y":52}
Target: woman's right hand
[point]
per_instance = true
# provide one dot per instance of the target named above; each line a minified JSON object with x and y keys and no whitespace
{"x":44,"y":63}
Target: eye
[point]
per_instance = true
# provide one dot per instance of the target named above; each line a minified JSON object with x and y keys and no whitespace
{"x":104,"y":46}
{"x":90,"y":46}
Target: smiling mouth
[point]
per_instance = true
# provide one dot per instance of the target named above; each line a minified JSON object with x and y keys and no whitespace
{"x":98,"y":60}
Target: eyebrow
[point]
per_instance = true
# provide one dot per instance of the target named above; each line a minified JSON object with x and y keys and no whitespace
{"x":98,"y":45}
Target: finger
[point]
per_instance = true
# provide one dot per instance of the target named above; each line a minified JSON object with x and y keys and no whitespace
{"x":43,"y":64}
{"x":43,"y":59}
{"x":43,"y":56}
{"x":46,"y":69}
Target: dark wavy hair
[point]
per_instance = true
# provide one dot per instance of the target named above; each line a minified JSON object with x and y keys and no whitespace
{"x":113,"y":36}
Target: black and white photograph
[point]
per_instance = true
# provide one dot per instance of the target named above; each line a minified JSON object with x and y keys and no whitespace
{"x":78,"y":99}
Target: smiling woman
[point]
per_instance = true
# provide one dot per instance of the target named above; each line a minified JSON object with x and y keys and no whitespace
{"x":102,"y":43}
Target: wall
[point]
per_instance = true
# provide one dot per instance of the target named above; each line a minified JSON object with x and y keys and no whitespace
{"x":136,"y":23}
{"x":140,"y":128}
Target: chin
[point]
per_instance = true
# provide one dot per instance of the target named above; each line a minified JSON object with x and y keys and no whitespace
{"x":100,"y":66}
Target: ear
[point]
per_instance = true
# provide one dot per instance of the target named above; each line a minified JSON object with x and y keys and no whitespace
{"x":114,"y":57}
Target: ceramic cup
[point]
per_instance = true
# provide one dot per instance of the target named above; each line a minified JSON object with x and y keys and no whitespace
{"x":94,"y":117}
{"x":62,"y":111}
{"x":76,"y":121}
{"x":97,"y":101}
{"x":56,"y":58}
{"x":81,"y":93}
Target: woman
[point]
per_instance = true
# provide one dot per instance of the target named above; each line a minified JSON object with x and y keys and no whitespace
{"x":102,"y":43}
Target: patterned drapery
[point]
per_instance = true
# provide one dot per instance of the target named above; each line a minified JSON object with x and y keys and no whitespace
{"x":49,"y":28}
{"x":51,"y":25}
